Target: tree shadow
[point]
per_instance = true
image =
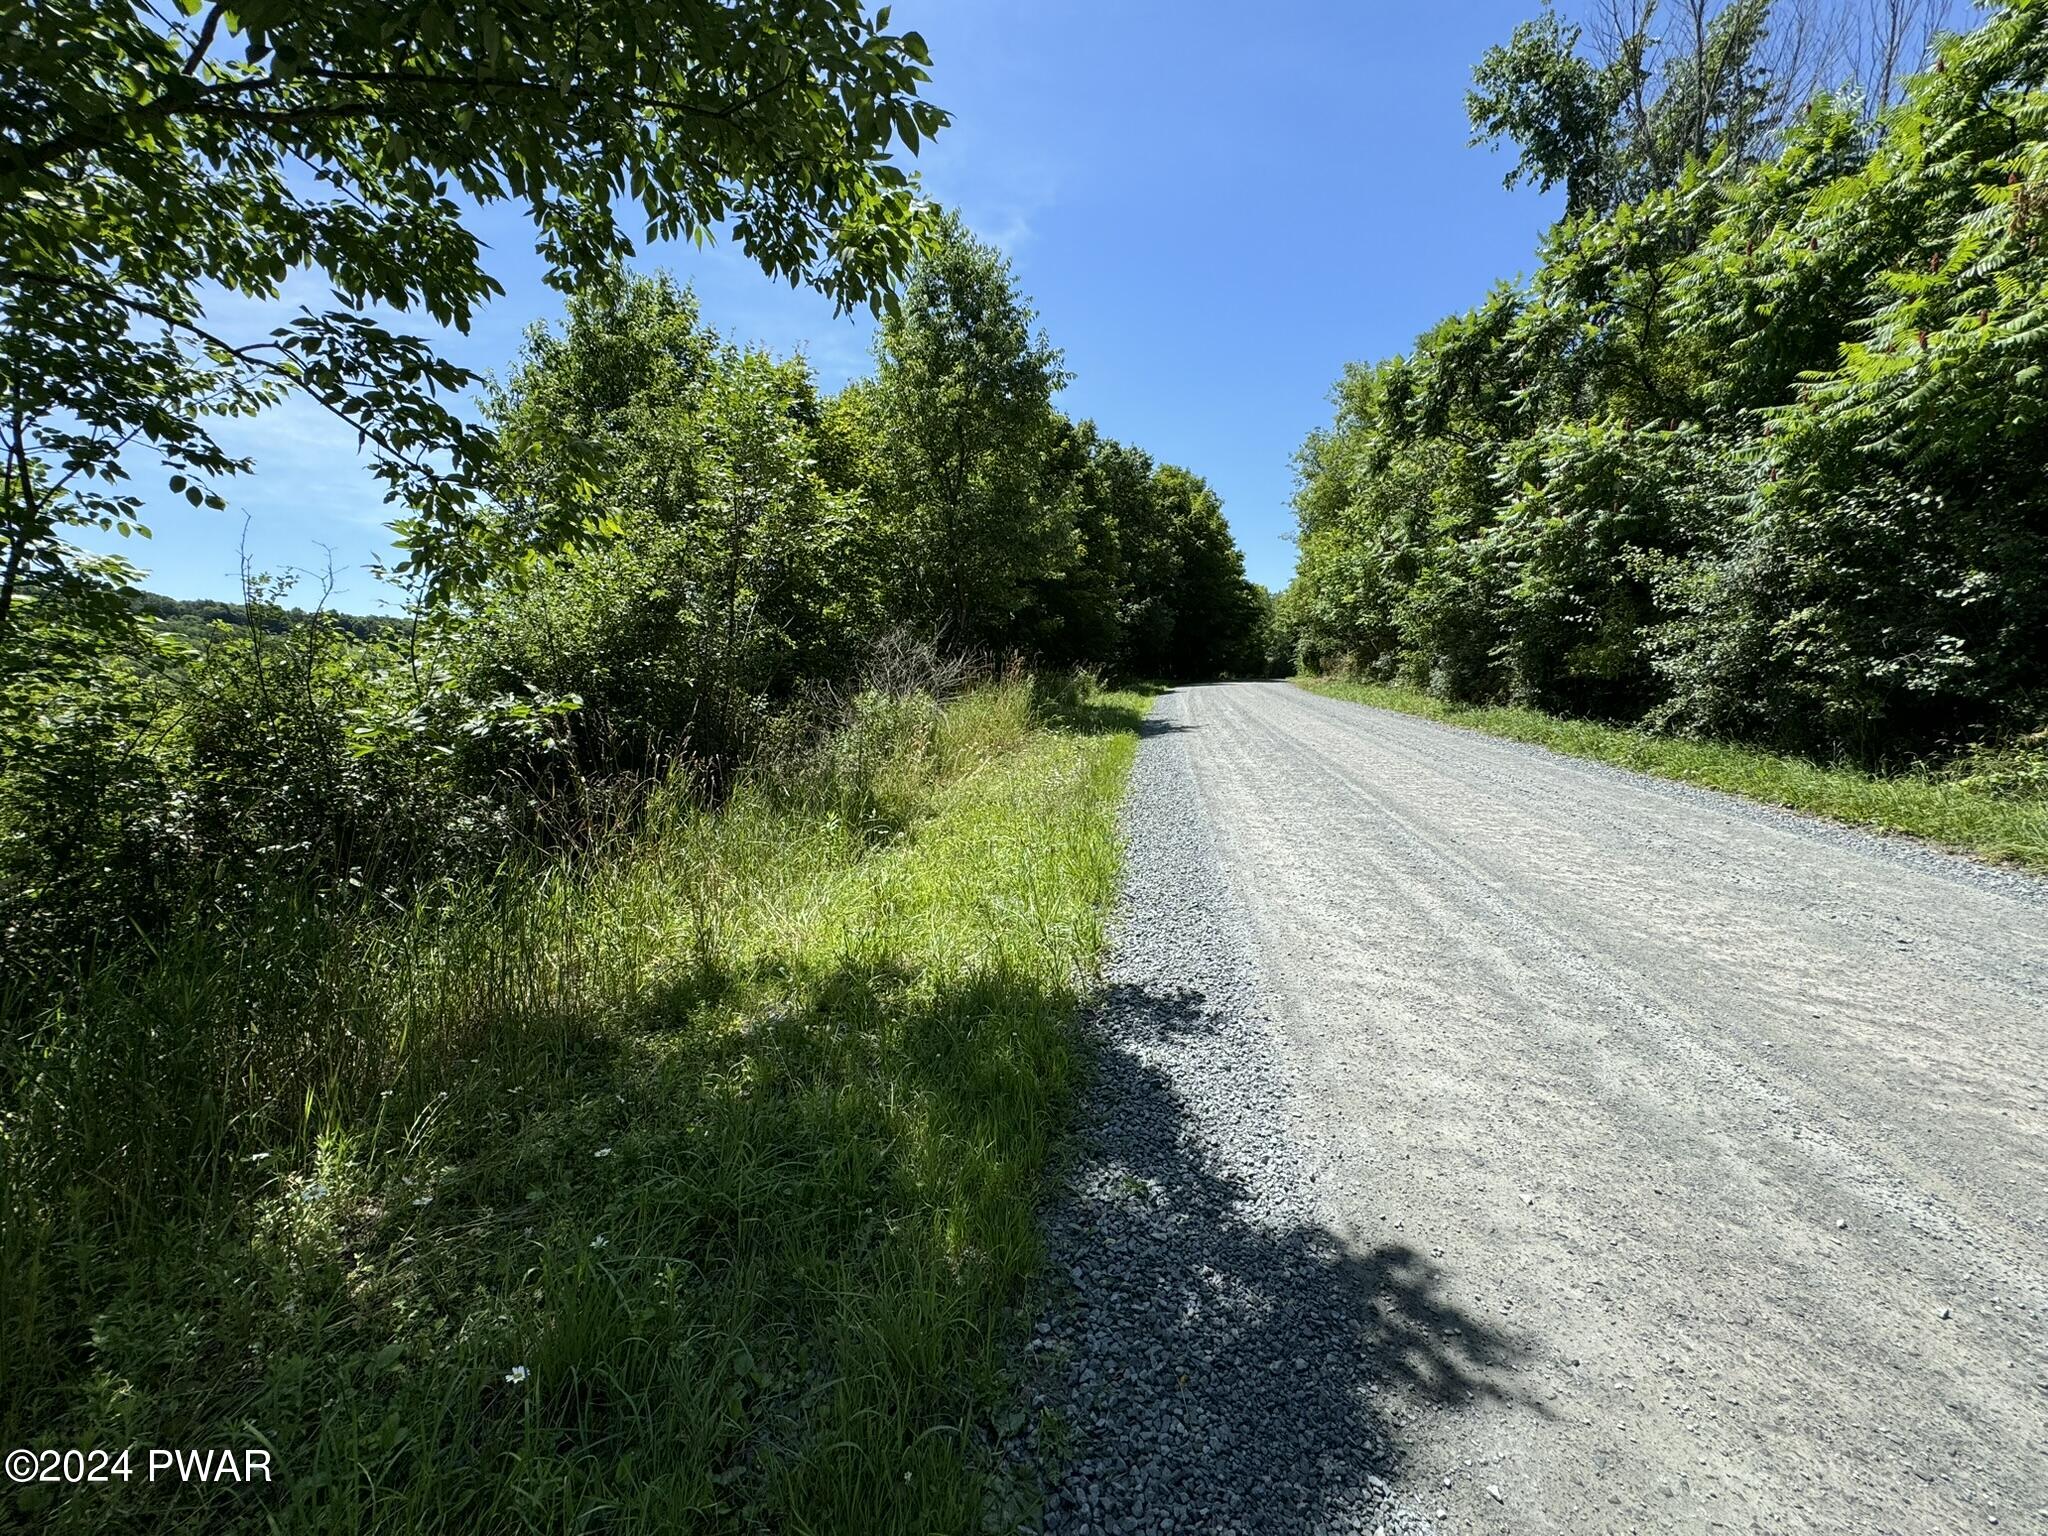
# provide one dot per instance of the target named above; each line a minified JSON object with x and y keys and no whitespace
{"x":731,"y":1254}
{"x":1215,"y":1356}
{"x":1090,"y":717}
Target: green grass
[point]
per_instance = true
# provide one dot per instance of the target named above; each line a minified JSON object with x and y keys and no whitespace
{"x":2010,"y":829}
{"x":693,"y":1190}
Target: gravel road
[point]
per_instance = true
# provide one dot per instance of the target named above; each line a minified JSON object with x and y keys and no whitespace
{"x":1488,"y":1141}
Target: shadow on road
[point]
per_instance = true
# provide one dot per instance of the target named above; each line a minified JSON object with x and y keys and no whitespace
{"x":1220,"y":1356}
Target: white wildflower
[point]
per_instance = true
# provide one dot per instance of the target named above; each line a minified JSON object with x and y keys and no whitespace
{"x":516,"y":1375}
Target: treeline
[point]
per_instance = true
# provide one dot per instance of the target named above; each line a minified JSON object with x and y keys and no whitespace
{"x":763,"y":535}
{"x":749,"y":547}
{"x":200,"y":619}
{"x":1760,"y":451}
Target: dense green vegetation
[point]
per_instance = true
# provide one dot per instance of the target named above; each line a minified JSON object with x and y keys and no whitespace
{"x":754,"y":545}
{"x":762,"y":536}
{"x":1757,"y":453}
{"x":690,"y":1184}
{"x":200,"y":620}
{"x":584,"y":1052}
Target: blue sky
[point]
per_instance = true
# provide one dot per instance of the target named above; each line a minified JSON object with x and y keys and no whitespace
{"x":1213,"y":209}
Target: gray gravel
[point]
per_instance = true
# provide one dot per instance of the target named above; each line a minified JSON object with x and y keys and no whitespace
{"x":1486,"y":1141}
{"x":1217,"y":1360}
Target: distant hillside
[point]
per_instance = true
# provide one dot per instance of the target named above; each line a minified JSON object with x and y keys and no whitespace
{"x":194,"y":617}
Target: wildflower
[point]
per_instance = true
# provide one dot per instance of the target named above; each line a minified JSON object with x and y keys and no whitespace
{"x":604,"y":1152}
{"x":599,"y":1241}
{"x":516,"y":1375}
{"x":424,"y":1200}
{"x":312,"y":1192}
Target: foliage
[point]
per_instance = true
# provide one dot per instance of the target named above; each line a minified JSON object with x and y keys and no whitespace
{"x":1754,"y":455}
{"x":764,"y":540}
{"x":2015,"y":771}
{"x":151,"y":785}
{"x":965,"y":388}
{"x":736,"y":569}
{"x":153,"y":162}
{"x":84,"y":855}
{"x":1217,"y":613}
{"x":690,"y":1185}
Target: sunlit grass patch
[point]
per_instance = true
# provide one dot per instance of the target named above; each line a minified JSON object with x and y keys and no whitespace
{"x":691,"y":1189}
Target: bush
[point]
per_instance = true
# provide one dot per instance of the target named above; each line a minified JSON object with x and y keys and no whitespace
{"x":1754,"y":455}
{"x":92,"y":845}
{"x":2016,"y":771}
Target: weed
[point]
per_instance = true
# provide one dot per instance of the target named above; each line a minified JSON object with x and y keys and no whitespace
{"x":689,"y":1187}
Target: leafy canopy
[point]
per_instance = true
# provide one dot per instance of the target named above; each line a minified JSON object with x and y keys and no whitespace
{"x":1755,"y":453}
{"x":966,"y":385}
{"x":153,"y":155}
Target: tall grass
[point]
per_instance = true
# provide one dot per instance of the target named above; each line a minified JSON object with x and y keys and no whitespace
{"x":1957,"y":810}
{"x":685,"y":1188}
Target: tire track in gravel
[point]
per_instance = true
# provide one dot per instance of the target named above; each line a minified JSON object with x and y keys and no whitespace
{"x":1491,"y":1141}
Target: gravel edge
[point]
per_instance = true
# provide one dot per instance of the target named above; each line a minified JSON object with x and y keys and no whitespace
{"x":1203,"y":1360}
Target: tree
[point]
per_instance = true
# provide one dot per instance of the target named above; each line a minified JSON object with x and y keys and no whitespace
{"x":1073,"y":609}
{"x":965,"y":391}
{"x":727,"y":578}
{"x":1616,"y":109}
{"x":1556,"y":106}
{"x":1218,"y":614}
{"x":151,"y":157}
{"x":1148,"y":555}
{"x":1754,"y":454}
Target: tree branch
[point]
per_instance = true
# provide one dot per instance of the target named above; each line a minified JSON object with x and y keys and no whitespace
{"x":215,"y":102}
{"x":205,"y":39}
{"x":246,"y":355}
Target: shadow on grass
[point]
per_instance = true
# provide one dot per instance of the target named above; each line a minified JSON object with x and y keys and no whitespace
{"x":1217,"y":1357}
{"x":743,"y":1256}
{"x":1092,"y":717}
{"x":735,"y":1256}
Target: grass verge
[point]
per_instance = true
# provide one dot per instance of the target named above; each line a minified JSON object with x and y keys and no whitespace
{"x":689,"y":1191}
{"x":2010,"y":830}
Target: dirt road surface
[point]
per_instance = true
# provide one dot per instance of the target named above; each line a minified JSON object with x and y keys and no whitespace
{"x":1725,"y":1129}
